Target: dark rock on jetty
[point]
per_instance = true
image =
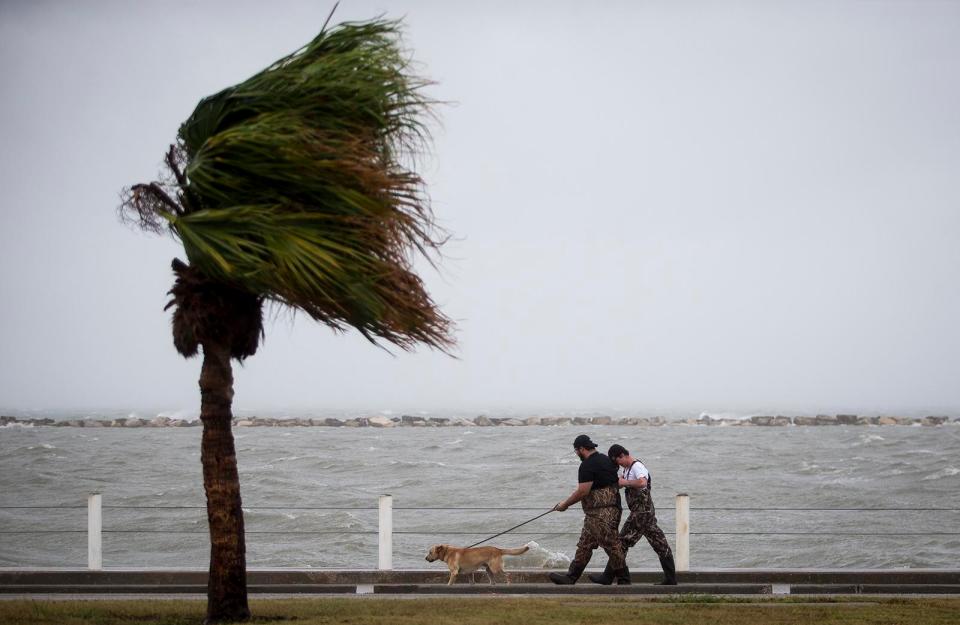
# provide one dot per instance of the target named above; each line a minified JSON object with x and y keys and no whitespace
{"x":485,"y":421}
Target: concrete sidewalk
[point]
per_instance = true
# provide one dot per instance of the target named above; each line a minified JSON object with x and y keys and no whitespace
{"x":183,"y":582}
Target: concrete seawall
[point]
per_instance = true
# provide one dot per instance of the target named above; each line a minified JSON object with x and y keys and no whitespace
{"x":525,"y":581}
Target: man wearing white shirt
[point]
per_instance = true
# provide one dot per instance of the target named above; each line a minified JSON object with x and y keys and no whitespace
{"x":635,"y":479}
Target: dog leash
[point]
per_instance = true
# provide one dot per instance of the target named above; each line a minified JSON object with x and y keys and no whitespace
{"x":512,"y":528}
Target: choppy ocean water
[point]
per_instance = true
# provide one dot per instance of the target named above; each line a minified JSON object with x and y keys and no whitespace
{"x":310,"y":494}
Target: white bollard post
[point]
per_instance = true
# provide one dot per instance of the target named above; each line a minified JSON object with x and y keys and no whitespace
{"x":682,"y":557}
{"x":94,"y":535}
{"x":385,"y":562}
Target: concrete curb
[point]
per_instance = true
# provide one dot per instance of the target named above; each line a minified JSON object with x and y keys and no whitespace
{"x":578,"y":589}
{"x":440,"y":575}
{"x":499,"y":589}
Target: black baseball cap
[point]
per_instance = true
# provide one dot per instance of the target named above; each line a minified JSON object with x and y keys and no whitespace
{"x":584,"y":441}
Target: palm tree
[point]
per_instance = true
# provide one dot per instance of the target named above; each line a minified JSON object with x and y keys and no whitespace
{"x":296,"y":186}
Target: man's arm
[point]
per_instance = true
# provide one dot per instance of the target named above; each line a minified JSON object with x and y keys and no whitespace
{"x":640,"y":482}
{"x":583,"y":489}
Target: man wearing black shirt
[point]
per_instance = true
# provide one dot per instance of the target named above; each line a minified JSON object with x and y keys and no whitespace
{"x":597,"y":489}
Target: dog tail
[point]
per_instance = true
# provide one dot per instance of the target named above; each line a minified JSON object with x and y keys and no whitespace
{"x":517,"y":551}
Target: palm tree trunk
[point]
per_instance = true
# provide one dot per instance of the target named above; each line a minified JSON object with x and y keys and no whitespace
{"x":227,"y":583}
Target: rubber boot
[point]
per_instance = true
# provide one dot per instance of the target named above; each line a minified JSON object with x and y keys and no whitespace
{"x":570,"y":577}
{"x":669,"y":571}
{"x":623,"y":576}
{"x":605,"y":578}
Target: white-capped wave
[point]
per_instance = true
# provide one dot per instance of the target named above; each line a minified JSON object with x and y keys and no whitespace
{"x":717,"y":416}
{"x":539,"y":557}
{"x":184,"y":414}
{"x":944,"y":472}
{"x":417,"y":463}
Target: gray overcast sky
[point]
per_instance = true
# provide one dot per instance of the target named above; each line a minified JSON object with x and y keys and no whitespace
{"x":669,"y":207}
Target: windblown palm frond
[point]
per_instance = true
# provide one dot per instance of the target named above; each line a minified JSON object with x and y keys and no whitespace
{"x":295,"y":186}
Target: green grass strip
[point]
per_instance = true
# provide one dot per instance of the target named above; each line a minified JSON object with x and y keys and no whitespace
{"x":504,"y":611}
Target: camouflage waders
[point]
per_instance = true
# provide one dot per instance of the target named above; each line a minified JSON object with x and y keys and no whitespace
{"x":601,"y":509}
{"x":642,"y":522}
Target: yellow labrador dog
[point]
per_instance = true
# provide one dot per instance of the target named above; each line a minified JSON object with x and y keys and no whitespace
{"x":462,"y":560}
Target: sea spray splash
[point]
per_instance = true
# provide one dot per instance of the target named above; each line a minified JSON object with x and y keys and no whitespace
{"x":539,"y":557}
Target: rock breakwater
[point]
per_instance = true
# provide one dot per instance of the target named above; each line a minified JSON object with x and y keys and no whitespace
{"x":380,"y":421}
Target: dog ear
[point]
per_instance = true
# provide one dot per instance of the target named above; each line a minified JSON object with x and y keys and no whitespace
{"x":442,"y":551}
